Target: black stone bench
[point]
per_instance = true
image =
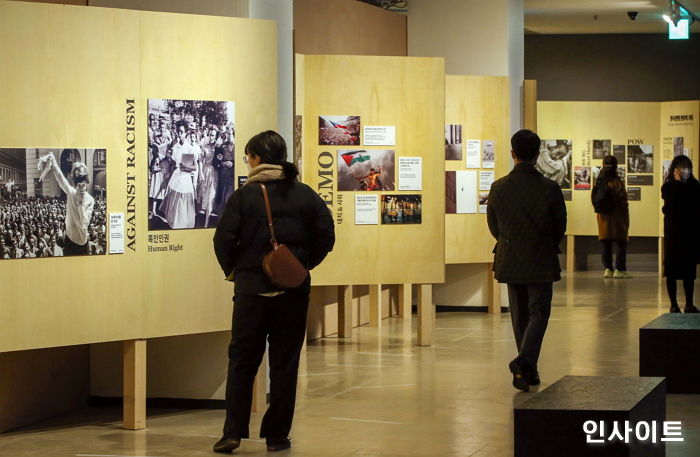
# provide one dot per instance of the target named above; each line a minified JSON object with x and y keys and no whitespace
{"x":669,"y":346}
{"x":551,"y":423}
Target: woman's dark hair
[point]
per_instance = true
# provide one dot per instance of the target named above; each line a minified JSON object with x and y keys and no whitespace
{"x":680,"y":161}
{"x":609,"y":170}
{"x":272,"y":149}
{"x":526,"y":145}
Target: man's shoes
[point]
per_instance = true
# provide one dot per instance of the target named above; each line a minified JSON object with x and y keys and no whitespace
{"x":533,"y":378}
{"x":621,"y":275}
{"x":227,"y":444}
{"x":517,"y":367}
{"x":691,"y":309}
{"x":608,"y":273}
{"x":278,"y":444}
{"x":674,"y":309}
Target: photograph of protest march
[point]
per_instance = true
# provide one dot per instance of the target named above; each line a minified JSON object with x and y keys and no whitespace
{"x":453,"y":142}
{"x":554,"y":161}
{"x":339,"y":130}
{"x":366,"y":170}
{"x":191,"y":146}
{"x":53,"y":202}
{"x":402,"y":209}
{"x":640,"y":158}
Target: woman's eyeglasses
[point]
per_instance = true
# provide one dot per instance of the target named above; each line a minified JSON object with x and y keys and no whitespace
{"x":245,"y":159}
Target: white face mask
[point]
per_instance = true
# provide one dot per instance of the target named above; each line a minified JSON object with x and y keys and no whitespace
{"x":685,"y":174}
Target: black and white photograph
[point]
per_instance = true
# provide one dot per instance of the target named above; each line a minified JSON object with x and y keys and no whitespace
{"x":402,"y":209}
{"x":488,"y":156}
{"x":678,"y":146}
{"x":554,"y":161}
{"x":366,"y":170}
{"x":191,"y":146}
{"x":339,"y":130}
{"x":619,"y":153}
{"x":666,"y":167}
{"x":453,"y":142}
{"x":640,"y":158}
{"x":53,"y":202}
{"x":601,"y":148}
{"x":400,"y":6}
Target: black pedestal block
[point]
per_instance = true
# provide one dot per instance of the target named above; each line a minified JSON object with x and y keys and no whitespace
{"x":550,"y":424}
{"x":669,"y":346}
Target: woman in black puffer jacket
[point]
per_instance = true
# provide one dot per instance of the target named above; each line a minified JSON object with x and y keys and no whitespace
{"x":263,"y":311}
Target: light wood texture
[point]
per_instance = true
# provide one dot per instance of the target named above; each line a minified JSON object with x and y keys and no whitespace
{"x":375,"y":305}
{"x":375,"y":88}
{"x":77,"y":67}
{"x":494,"y":291}
{"x":60,"y":2}
{"x":345,"y":307}
{"x":570,"y":254}
{"x":661,"y":256}
{"x":405,"y":300}
{"x":481,"y":105}
{"x":348,"y":27}
{"x":134,"y":384}
{"x":530,"y":104}
{"x":426,"y":315}
{"x":260,"y":387}
{"x":619,"y":122}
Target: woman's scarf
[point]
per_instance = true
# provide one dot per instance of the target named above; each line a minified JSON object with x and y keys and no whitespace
{"x":265,"y":172}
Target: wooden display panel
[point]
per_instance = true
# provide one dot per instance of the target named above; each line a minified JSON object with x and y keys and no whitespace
{"x":481,"y":104}
{"x":67,"y":86}
{"x":407,"y":93}
{"x":621,"y":122}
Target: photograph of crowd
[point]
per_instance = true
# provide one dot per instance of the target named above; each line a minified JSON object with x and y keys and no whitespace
{"x":619,"y":153}
{"x":402,"y":209}
{"x":554,"y":161}
{"x":339,"y":130}
{"x":640,"y":158}
{"x":366,"y":170}
{"x":191,"y":147}
{"x":582,"y":178}
{"x":53,"y":202}
{"x":678,"y":146}
{"x":601,"y":148}
{"x":453,"y":142}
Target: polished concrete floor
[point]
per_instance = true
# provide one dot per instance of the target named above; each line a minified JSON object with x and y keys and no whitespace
{"x":380,"y":395}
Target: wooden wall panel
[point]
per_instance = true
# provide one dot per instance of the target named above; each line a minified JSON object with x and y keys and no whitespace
{"x":481,"y":104}
{"x":348,"y":27}
{"x":404,"y":92}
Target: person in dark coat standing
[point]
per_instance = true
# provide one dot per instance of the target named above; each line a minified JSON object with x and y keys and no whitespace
{"x":614,"y":224}
{"x":527,"y":216}
{"x":681,"y":195}
{"x":263,"y":312}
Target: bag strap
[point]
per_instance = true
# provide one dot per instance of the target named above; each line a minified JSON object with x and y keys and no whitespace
{"x":273,"y":240}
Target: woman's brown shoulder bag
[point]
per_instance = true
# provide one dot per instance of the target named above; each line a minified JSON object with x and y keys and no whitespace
{"x":280,"y":264}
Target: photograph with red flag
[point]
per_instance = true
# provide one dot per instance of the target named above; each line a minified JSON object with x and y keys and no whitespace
{"x":339,"y":130}
{"x":366,"y":170}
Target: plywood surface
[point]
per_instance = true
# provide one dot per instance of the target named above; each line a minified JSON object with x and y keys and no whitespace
{"x":481,"y":105}
{"x":66,"y":86}
{"x":404,"y":92}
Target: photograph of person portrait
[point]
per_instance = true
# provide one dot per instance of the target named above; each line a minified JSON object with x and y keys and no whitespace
{"x":53,"y":203}
{"x":191,"y":147}
{"x":365,"y":170}
{"x":666,"y":166}
{"x":678,"y":146}
{"x":339,"y":130}
{"x":640,"y":158}
{"x":453,"y":142}
{"x":402,"y":209}
{"x":601,"y":148}
{"x":582,"y":178}
{"x":554,"y":161}
{"x":619,"y":153}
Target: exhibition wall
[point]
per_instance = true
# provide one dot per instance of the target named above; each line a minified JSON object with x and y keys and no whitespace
{"x":631,"y":68}
{"x":371,"y":148}
{"x":347,"y":27}
{"x":58,"y":98}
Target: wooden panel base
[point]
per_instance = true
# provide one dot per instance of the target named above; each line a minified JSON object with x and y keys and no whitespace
{"x":494,"y":291}
{"x":570,"y":254}
{"x":135,"y":384}
{"x":405,"y":300}
{"x":426,"y":315}
{"x":345,"y":306}
{"x":375,"y":305}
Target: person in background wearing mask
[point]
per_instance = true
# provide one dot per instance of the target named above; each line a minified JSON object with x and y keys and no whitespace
{"x":681,"y":195}
{"x":614,"y":224}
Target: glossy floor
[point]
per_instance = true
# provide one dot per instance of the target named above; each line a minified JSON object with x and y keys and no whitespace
{"x":380,"y":395}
